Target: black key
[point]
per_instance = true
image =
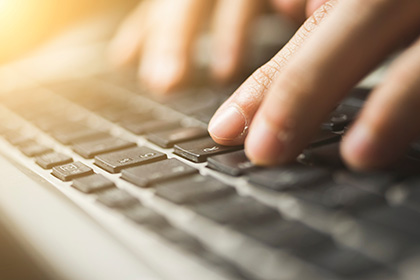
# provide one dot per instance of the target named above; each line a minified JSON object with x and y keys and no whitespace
{"x":33,"y":149}
{"x":169,"y":138}
{"x":285,"y":234}
{"x":89,"y":149}
{"x":192,"y":189}
{"x":145,"y":127}
{"x":16,"y":138}
{"x":235,"y":209}
{"x":324,"y":137}
{"x":235,"y":163}
{"x":342,"y":261}
{"x":71,"y":171}
{"x":116,"y":161}
{"x":339,"y":196}
{"x":92,"y":183}
{"x":73,"y":133}
{"x":116,"y":198}
{"x":180,"y":238}
{"x":375,"y":182}
{"x":50,"y":160}
{"x":142,"y":215}
{"x":289,"y":176}
{"x":199,"y":150}
{"x":145,"y":175}
{"x":341,"y":117}
{"x":324,"y":155}
{"x":398,"y":218}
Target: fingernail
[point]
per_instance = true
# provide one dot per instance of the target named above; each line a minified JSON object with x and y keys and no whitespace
{"x":264,"y":146}
{"x":230,"y":124}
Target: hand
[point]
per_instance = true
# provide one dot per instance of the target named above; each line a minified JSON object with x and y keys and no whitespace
{"x":162,"y":33}
{"x":284,"y":101}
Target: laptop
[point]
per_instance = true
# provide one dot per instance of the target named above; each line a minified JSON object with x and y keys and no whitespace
{"x":101,"y":180}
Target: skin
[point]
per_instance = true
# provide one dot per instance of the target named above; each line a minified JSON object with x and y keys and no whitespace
{"x":277,"y":110}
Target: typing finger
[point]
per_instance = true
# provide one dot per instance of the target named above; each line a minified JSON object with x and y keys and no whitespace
{"x":345,"y":47}
{"x":167,"y":53}
{"x":126,"y":44}
{"x":230,"y":29}
{"x":230,"y":123}
{"x":389,"y":121}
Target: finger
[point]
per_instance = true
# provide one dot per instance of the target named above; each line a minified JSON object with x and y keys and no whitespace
{"x":230,"y":29}
{"x":292,"y":9}
{"x":230,"y":123}
{"x":313,"y":5}
{"x":167,"y":54}
{"x":389,"y":121}
{"x":125,"y":45}
{"x":349,"y":43}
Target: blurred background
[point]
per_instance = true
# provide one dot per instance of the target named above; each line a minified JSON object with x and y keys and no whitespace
{"x":26,"y":24}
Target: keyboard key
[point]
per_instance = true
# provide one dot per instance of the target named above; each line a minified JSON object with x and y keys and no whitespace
{"x":33,"y":149}
{"x":145,"y":175}
{"x":192,"y":189}
{"x":341,"y":117}
{"x":116,"y":161}
{"x":92,"y":183}
{"x":342,"y":261}
{"x":50,"y":160}
{"x":324,"y":137}
{"x":235,"y":209}
{"x":290,"y":176}
{"x":116,"y":198}
{"x":180,"y":238}
{"x":16,"y":138}
{"x":339,"y":196}
{"x":145,"y":127}
{"x":142,"y":215}
{"x":375,"y":182}
{"x":169,"y":138}
{"x":89,"y":149}
{"x":71,"y":171}
{"x":235,"y":163}
{"x":326,"y":155}
{"x":199,"y":150}
{"x":285,"y":234}
{"x":73,"y":133}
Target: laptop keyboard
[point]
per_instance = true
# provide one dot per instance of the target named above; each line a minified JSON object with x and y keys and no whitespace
{"x":135,"y":157}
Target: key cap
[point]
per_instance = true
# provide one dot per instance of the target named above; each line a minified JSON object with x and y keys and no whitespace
{"x":288,"y":176}
{"x":145,"y":127}
{"x":89,"y":149}
{"x":235,"y":209}
{"x":285,"y":234}
{"x":71,"y":171}
{"x":375,"y":182}
{"x":145,"y":175}
{"x":326,"y":155}
{"x":192,"y":189}
{"x":342,"y":261}
{"x":339,"y":196}
{"x":73,"y":133}
{"x":324,"y":137}
{"x":92,"y":183}
{"x":180,"y":238}
{"x":32,"y":149}
{"x":199,"y":150}
{"x":116,"y":198}
{"x":116,"y":161}
{"x":50,"y":160}
{"x":142,"y":215}
{"x":235,"y":163}
{"x":341,"y":117}
{"x":16,"y":138}
{"x":398,"y":218}
{"x":169,"y":138}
